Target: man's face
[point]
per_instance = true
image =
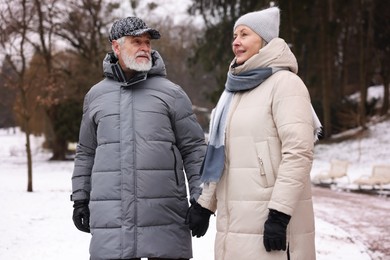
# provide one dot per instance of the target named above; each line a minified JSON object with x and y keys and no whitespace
{"x":135,"y":53}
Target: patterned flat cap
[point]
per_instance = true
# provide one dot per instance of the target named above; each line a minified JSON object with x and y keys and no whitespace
{"x":131,"y":26}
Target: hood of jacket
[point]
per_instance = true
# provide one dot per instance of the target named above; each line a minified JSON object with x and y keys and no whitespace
{"x":275,"y":54}
{"x":112,"y":69}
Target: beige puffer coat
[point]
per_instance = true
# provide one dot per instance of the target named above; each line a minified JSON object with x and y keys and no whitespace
{"x":269,"y":151}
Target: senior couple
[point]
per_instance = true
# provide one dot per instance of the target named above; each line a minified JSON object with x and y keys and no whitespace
{"x":140,"y":145}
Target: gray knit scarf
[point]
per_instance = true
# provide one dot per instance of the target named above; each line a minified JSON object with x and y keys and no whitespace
{"x":214,"y":160}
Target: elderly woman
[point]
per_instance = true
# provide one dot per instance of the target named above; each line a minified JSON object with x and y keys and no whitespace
{"x":256,"y":172}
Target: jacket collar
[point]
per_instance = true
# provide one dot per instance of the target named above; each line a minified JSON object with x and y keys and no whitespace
{"x":112,"y":69}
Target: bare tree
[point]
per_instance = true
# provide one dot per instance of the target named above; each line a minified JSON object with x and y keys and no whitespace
{"x":78,"y":25}
{"x":15,"y":22}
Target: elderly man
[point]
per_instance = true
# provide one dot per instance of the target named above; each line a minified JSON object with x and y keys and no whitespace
{"x":138,"y":137}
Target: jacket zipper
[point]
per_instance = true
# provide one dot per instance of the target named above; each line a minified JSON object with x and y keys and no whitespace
{"x":227,"y":134}
{"x":262,"y":171}
{"x":175,"y":165}
{"x":135,"y":176}
{"x":261,"y":166}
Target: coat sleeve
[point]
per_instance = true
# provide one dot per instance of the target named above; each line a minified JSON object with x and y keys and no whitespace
{"x":190,"y":140}
{"x":208,"y":197}
{"x":292,"y":114}
{"x":85,"y":154}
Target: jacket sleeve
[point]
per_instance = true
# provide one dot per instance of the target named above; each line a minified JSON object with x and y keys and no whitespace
{"x":208,"y":197}
{"x":292,"y":114}
{"x":190,"y":140}
{"x":85,"y":154}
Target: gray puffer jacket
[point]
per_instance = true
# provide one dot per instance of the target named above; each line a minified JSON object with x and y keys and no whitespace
{"x":136,"y":140}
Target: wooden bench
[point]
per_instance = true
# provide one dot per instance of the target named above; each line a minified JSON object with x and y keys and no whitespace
{"x":379,"y":177}
{"x":338,"y":169}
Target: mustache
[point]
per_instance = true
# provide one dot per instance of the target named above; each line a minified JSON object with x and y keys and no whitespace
{"x":143,"y":54}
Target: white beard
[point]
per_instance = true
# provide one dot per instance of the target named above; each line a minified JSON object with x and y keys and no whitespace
{"x":132,"y":64}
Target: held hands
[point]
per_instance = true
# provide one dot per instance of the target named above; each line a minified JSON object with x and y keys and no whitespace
{"x":198,"y":219}
{"x":81,"y":215}
{"x":275,"y":230}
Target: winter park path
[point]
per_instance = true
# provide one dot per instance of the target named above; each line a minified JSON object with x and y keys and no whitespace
{"x":365,"y":217}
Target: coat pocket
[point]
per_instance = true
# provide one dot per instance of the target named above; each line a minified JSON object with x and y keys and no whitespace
{"x":175,"y":163}
{"x":265,"y":165}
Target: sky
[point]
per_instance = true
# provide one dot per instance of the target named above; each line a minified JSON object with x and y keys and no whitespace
{"x":38,"y":225}
{"x":165,"y":8}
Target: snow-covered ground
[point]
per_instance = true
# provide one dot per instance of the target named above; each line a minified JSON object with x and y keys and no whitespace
{"x":362,"y":153}
{"x":38,"y":225}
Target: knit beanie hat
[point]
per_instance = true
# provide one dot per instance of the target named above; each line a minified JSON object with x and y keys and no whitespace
{"x":265,"y":22}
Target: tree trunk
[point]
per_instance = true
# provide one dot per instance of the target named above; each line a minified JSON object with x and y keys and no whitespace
{"x":29,"y":161}
{"x":325,"y":83}
{"x":59,"y":149}
{"x":25,"y":115}
{"x":386,"y":86}
{"x":364,"y":51}
{"x":344,"y":77}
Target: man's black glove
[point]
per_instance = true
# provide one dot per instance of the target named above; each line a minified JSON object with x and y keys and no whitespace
{"x":198,"y":219}
{"x":81,"y":215}
{"x":275,"y":230}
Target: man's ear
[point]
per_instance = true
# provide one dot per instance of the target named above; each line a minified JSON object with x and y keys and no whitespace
{"x":116,"y":47}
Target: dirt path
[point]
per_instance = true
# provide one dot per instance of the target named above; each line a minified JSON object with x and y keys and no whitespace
{"x":365,"y":217}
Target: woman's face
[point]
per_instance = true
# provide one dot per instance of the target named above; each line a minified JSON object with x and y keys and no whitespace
{"x":246,"y":43}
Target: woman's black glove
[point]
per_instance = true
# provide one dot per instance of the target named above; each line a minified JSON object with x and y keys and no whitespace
{"x":81,"y":215}
{"x":198,"y":219}
{"x":275,"y":230}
